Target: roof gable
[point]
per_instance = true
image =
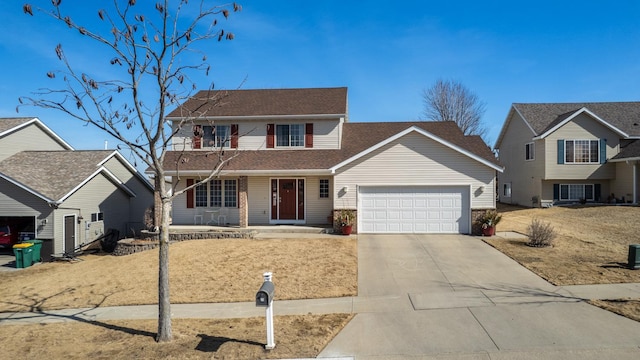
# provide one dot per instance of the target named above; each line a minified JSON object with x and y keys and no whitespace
{"x":621,"y":117}
{"x":264,"y":103}
{"x":471,"y":140}
{"x":12,"y":125}
{"x":43,"y":174}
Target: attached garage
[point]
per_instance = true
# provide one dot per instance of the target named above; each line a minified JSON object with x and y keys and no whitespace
{"x":414,"y":209}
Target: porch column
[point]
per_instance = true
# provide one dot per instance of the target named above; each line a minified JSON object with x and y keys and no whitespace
{"x":243,"y":207}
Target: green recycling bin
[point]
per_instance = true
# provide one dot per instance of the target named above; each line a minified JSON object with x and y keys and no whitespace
{"x":37,"y":246}
{"x":23,"y":253}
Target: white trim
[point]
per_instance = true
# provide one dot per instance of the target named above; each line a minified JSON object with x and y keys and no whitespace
{"x":108,"y":174}
{"x":27,"y":189}
{"x":273,"y":173}
{"x":43,"y":127}
{"x":508,"y":122}
{"x":419,"y":131}
{"x":128,"y":165}
{"x":575,"y":114}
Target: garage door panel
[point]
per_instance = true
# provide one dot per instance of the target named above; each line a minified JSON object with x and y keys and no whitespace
{"x":414,"y":209}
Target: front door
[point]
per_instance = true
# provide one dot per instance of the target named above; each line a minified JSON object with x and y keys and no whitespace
{"x":287,"y":197}
{"x":69,"y":233}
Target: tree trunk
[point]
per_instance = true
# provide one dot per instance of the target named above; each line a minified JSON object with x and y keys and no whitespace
{"x":164,"y":305}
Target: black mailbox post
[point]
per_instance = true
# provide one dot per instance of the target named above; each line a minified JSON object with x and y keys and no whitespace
{"x":264,"y":296}
{"x":634,"y":256}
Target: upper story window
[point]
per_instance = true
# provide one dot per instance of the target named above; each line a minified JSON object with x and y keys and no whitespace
{"x":290,"y":135}
{"x":582,"y":151}
{"x":529,"y":151}
{"x":216,"y":136}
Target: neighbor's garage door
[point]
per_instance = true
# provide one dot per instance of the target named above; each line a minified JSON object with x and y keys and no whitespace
{"x":414,"y":209}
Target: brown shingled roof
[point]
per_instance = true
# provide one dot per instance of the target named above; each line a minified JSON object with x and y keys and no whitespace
{"x":542,"y":117}
{"x":52,"y":173}
{"x":357,"y":137}
{"x":10,"y":123}
{"x":264,"y":102}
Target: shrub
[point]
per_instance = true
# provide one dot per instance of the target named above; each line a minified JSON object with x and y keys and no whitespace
{"x":540,"y":233}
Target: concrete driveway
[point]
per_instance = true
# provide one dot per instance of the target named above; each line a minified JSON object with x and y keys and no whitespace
{"x":453,"y":296}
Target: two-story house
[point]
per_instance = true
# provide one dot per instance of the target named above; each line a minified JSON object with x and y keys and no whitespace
{"x":569,"y":152}
{"x":297,"y":159}
{"x":63,"y":196}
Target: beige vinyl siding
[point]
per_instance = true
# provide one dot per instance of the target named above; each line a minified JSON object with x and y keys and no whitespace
{"x":623,"y":184}
{"x":253,"y":134}
{"x":524,"y":176}
{"x":28,"y":138}
{"x":98,"y":195}
{"x":317,"y":209}
{"x":15,"y":201}
{"x":415,"y":160}
{"x":144,"y":195}
{"x":583,"y":127}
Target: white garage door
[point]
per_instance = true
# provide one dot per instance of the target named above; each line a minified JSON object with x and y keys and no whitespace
{"x":414,"y":209}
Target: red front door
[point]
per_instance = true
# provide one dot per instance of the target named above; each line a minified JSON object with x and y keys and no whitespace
{"x":287,"y":199}
{"x":287,"y":193}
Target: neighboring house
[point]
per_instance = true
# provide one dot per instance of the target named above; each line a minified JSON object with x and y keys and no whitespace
{"x":570,"y":152}
{"x":297,"y":159}
{"x":63,"y":196}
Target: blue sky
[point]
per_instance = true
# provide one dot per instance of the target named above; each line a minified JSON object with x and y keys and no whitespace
{"x":385,"y":52}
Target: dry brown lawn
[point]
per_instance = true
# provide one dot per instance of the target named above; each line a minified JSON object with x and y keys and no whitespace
{"x":591,"y":248}
{"x":204,"y":271}
{"x":295,"y":337}
{"x":200,"y":271}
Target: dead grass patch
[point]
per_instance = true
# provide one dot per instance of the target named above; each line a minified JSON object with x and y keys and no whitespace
{"x":295,"y":336}
{"x":226,"y":270}
{"x":626,"y":307}
{"x":591,"y":247}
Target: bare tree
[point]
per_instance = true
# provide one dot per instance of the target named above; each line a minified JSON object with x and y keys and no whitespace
{"x":449,"y":100}
{"x":155,"y":53}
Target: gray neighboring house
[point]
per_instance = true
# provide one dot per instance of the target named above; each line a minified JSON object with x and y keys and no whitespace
{"x":63,"y":196}
{"x":557,"y":153}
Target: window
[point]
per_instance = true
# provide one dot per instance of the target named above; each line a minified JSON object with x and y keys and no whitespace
{"x":212,"y":195}
{"x":97,"y":216}
{"x":290,"y":135}
{"x":582,"y":151}
{"x":324,"y":188}
{"x":216,"y":136}
{"x":529,"y":151}
{"x":215,"y":193}
{"x":576,"y":192}
{"x":230,"y":193}
{"x":201,"y":195}
{"x":506,"y":189}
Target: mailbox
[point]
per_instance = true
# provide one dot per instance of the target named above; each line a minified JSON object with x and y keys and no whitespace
{"x":264,"y":296}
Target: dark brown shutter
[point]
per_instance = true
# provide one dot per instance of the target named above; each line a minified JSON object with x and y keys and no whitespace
{"x":189,"y":194}
{"x":196,"y":142}
{"x":308,"y":136}
{"x":234,"y":136}
{"x":270,"y":135}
